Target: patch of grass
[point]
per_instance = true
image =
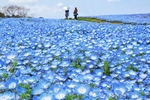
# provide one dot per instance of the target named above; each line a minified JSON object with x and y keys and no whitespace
{"x":106,"y":68}
{"x":90,"y":19}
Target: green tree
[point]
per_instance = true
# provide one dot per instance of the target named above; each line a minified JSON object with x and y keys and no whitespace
{"x":2,"y":14}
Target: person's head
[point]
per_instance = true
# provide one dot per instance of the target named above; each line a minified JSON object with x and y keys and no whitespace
{"x":75,"y":7}
{"x":66,"y":10}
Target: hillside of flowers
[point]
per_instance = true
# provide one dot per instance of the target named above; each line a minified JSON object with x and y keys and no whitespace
{"x":48,"y":59}
{"x":128,"y":18}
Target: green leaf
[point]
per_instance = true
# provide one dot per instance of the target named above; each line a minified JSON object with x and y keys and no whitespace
{"x":5,"y":75}
{"x":106,"y":68}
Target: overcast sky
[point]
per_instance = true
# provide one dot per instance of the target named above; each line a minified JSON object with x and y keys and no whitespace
{"x":53,"y":8}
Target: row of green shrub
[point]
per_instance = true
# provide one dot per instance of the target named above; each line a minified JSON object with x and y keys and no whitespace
{"x":2,"y":14}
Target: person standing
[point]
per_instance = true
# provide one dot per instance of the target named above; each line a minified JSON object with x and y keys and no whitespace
{"x":75,"y":13}
{"x":67,"y":13}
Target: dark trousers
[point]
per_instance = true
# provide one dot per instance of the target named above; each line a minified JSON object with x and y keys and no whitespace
{"x":75,"y":16}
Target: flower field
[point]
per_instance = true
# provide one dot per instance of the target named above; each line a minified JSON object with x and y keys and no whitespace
{"x":128,"y":18}
{"x":48,"y":59}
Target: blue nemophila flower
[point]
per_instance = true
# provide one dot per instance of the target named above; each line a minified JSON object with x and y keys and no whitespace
{"x":132,"y":74}
{"x":18,"y":73}
{"x":2,"y":85}
{"x":1,"y":63}
{"x":46,"y":67}
{"x":57,"y":53}
{"x":55,"y":63}
{"x":82,"y":89}
{"x":134,"y":95}
{"x":56,"y":87}
{"x":129,"y":52}
{"x":61,"y":77}
{"x":46,"y":96}
{"x":29,"y":79}
{"x":94,"y":93}
{"x":94,"y":57}
{"x":60,"y":94}
{"x":37,"y":90}
{"x":90,"y":65}
{"x":88,"y":77}
{"x":7,"y":96}
{"x":64,"y":63}
{"x":119,"y":88}
{"x":98,"y":72}
{"x":142,"y":75}
{"x":27,"y":54}
{"x":11,"y":56}
{"x":20,"y":90}
{"x":11,"y":83}
{"x":32,"y":79}
{"x":88,"y":53}
{"x":102,"y":96}
{"x":79,"y":78}
{"x":71,"y":84}
{"x":43,"y":84}
{"x":47,"y":45}
{"x":129,"y":46}
{"x":35,"y":97}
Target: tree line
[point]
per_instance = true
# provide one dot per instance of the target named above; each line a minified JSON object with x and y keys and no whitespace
{"x":14,"y":11}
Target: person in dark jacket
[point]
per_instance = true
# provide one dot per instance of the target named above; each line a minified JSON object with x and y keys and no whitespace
{"x":67,"y":13}
{"x":75,"y":13}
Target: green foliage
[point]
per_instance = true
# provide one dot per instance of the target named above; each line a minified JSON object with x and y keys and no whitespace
{"x":74,"y":97}
{"x":56,"y":58}
{"x":123,"y":52}
{"x":76,"y":63}
{"x":54,"y":69}
{"x":106,"y":68}
{"x":114,"y":48}
{"x":70,"y":97}
{"x":14,"y":64}
{"x":111,"y":98}
{"x":142,"y":54}
{"x":24,"y":96}
{"x":92,"y":85}
{"x":142,"y":93}
{"x":5,"y":75}
{"x":27,"y":94}
{"x":130,"y":67}
{"x":82,"y":51}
